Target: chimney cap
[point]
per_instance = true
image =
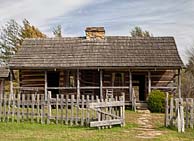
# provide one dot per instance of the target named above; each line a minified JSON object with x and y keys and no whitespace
{"x":95,"y":29}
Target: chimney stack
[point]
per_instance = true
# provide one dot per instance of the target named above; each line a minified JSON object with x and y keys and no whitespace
{"x":95,"y":32}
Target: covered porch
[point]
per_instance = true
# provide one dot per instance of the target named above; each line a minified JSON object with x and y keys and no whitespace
{"x":102,"y":82}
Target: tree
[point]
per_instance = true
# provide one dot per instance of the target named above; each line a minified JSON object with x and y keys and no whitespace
{"x":57,"y":31}
{"x":12,"y":36}
{"x":187,"y":88}
{"x":138,"y":32}
{"x":30,"y":31}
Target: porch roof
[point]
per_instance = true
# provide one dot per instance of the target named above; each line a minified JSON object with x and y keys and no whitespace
{"x":113,"y":51}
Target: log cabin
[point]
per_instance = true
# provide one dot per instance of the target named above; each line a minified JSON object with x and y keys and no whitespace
{"x":99,"y":65}
{"x":4,"y":76}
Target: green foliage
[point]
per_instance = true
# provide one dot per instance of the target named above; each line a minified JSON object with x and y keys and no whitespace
{"x":57,"y":31}
{"x":138,"y":32}
{"x":156,"y":101}
{"x":12,"y":35}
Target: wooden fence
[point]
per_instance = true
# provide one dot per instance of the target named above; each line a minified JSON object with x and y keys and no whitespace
{"x":64,"y":109}
{"x":179,"y":112}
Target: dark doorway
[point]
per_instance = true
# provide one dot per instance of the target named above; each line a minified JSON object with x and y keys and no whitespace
{"x":53,"y":81}
{"x":139,"y":86}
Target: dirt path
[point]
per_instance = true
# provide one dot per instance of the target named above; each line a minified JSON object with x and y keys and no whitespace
{"x":146,"y":129}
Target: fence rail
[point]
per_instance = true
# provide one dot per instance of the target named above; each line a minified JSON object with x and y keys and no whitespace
{"x":179,"y":112}
{"x":64,"y":109}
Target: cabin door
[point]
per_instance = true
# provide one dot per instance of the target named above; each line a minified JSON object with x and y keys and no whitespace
{"x":139,"y":87}
{"x":53,"y":81}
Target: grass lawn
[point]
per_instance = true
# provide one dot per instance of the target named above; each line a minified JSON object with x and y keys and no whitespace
{"x":33,"y":131}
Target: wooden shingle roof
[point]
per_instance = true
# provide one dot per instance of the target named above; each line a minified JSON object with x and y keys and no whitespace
{"x":113,"y":51}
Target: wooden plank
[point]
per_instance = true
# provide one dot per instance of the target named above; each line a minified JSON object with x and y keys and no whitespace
{"x":18,"y":108}
{"x":179,"y":83}
{"x":149,"y":82}
{"x":105,"y":123}
{"x":101,"y":85}
{"x":82,"y":111}
{"x":72,"y":109}
{"x":99,"y":114}
{"x":1,"y":104}
{"x":23,"y":106}
{"x":77,"y":109}
{"x":57,"y":108}
{"x":123,"y":98}
{"x":38,"y":108}
{"x":9,"y":102}
{"x":66,"y":109}
{"x":28,"y":108}
{"x":32,"y":106}
{"x":159,"y":87}
{"x":62,"y":97}
{"x":176,"y":110}
{"x":166,"y":111}
{"x":78,"y":83}
{"x":87,"y":110}
{"x":42,"y":108}
{"x":4,"y":106}
{"x":45,"y":85}
{"x":13,"y":107}
{"x":187,"y":113}
{"x":192,"y":114}
{"x":130,"y":85}
{"x":171,"y":111}
{"x":104,"y":104}
{"x":49,"y":107}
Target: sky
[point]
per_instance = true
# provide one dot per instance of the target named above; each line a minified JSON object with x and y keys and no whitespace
{"x":119,"y":17}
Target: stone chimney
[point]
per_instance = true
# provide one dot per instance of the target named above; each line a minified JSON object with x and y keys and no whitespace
{"x":95,"y":32}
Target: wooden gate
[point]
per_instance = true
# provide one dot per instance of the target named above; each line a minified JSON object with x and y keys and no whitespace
{"x":109,"y":112}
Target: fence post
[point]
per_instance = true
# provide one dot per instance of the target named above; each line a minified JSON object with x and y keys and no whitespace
{"x":171,"y":111}
{"x":123,"y":98}
{"x":99,"y":114}
{"x":181,"y":126}
{"x":57,"y":108}
{"x":13,"y":108}
{"x":38,"y":107}
{"x":82,"y":111}
{"x":62,"y":96}
{"x":23,"y":106}
{"x":187,"y":113}
{"x":87,"y":109}
{"x":77,"y":109}
{"x":66,"y":109}
{"x":49,"y":107}
{"x":166,"y":111}
{"x":42,"y":100}
{"x":191,"y":113}
{"x":33,"y":102}
{"x":1,"y":101}
{"x":4,"y":106}
{"x":18,"y":108}
{"x":72,"y":109}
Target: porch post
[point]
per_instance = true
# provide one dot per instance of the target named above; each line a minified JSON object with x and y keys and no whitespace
{"x":130,"y":85}
{"x":179,"y":83}
{"x":78,"y":83}
{"x":45,"y":85}
{"x":149,"y":82}
{"x":11,"y":84}
{"x":101,"y":92}
{"x":2,"y":87}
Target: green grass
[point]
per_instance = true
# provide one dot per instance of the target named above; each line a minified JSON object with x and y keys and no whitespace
{"x":34,"y":131}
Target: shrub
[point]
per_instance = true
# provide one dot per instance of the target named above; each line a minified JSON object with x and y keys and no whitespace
{"x":156,"y":101}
